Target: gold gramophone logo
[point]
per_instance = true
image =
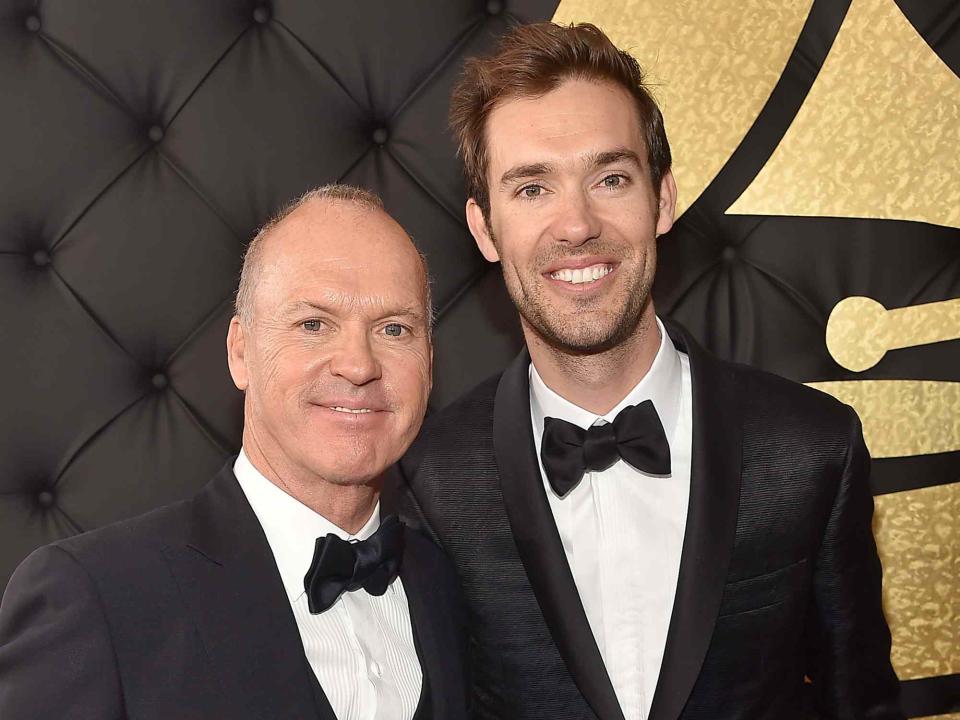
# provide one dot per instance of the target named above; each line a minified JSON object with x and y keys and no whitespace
{"x":877,"y":137}
{"x":901,"y":417}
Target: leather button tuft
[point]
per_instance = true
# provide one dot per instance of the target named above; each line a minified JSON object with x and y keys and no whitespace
{"x":45,"y":498}
{"x":159,"y":381}
{"x":380,"y":136}
{"x":32,"y":23}
{"x":495,"y":7}
{"x":261,"y":14}
{"x":41,"y":258}
{"x":729,"y":253}
{"x":155,"y":133}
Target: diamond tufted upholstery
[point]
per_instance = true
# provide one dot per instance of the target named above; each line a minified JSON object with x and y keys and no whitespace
{"x":143,"y":144}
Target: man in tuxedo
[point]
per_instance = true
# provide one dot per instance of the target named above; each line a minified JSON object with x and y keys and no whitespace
{"x":283,"y":589}
{"x":641,"y":530}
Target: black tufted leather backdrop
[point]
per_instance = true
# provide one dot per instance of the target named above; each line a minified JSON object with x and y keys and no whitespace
{"x":142,"y":145}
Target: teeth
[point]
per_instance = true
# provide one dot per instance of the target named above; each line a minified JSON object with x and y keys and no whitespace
{"x":351,"y":411}
{"x":582,"y":275}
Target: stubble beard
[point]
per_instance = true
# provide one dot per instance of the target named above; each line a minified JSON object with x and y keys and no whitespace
{"x":586,"y":328}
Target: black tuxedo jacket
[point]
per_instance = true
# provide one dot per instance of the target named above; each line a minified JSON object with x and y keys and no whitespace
{"x":182,"y":614}
{"x":779,"y":576}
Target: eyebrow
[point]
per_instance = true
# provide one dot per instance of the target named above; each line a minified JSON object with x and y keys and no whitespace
{"x":525,"y":171}
{"x":609,"y":157}
{"x":332,"y":308}
{"x":592,"y":161}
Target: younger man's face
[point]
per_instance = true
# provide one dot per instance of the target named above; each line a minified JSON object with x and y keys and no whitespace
{"x":573,"y":215}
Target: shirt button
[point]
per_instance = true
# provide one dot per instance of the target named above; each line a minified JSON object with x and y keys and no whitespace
{"x":375,"y":668}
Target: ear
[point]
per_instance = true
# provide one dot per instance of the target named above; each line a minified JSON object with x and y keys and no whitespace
{"x":480,"y":231}
{"x":668,"y":203}
{"x":430,"y":375}
{"x":237,"y":354}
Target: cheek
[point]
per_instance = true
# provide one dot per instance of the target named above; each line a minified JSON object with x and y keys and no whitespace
{"x":283,"y":369}
{"x":407,"y":377}
{"x":517,"y":235}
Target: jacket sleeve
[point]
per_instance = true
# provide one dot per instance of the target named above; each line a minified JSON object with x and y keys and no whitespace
{"x":849,"y":650}
{"x":56,"y":656}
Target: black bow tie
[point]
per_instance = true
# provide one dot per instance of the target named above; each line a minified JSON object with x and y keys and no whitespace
{"x":636,"y":435}
{"x":339,"y":566}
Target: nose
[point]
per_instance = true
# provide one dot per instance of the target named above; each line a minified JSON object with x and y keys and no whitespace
{"x":353,"y":358}
{"x":576,"y":221}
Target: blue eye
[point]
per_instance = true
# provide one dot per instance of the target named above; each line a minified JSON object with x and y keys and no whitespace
{"x":612,"y":181}
{"x":311,"y":325}
{"x":394,"y":329}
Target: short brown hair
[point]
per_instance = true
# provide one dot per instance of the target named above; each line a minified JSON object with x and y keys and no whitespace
{"x":530,"y":61}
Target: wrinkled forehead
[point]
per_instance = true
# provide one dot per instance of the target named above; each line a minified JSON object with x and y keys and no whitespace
{"x":352,"y":258}
{"x":350,"y":304}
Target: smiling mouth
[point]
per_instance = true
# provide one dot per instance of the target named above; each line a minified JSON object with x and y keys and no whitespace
{"x":580,"y":276}
{"x":347,"y":409}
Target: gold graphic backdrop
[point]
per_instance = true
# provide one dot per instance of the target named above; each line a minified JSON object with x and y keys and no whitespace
{"x":879,"y":134}
{"x":817,"y":153}
{"x":711,"y":69}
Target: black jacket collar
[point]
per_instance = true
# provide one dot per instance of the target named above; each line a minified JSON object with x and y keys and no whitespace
{"x":233,"y":588}
{"x":708,"y":538}
{"x":228,"y":575}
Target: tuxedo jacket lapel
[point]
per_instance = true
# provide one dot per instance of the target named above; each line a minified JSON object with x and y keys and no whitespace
{"x":710,"y":529}
{"x":231,"y":585}
{"x":707,"y":545}
{"x":539,"y":544}
{"x":425,"y":608}
{"x":438,"y":621}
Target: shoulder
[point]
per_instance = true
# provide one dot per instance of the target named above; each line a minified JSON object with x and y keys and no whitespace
{"x":475,"y":407}
{"x":760,"y":396}
{"x":788,"y":425}
{"x":127,"y":547}
{"x":780,"y":402}
{"x":465,"y":420}
{"x":73,"y":581}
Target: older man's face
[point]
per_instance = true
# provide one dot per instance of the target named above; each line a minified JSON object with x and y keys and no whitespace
{"x":336,"y":361}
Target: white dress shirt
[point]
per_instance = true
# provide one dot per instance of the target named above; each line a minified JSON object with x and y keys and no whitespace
{"x":361,"y":649}
{"x":622,"y":530}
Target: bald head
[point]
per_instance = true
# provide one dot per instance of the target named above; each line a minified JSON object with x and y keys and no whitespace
{"x":330,"y":203}
{"x":331,"y":341}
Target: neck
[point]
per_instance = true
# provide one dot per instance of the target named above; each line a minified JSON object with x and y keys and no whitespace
{"x":349,"y":507}
{"x":597,"y":382}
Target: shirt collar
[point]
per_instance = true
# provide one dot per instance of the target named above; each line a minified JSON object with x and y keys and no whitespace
{"x":290,"y":526}
{"x":661,"y":384}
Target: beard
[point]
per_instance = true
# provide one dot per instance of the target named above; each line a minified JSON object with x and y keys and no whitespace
{"x":589,"y":325}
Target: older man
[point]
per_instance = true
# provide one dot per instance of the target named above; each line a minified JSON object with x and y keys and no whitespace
{"x":274,"y":593}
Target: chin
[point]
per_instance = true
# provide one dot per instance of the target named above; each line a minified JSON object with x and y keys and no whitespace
{"x":343,"y":461}
{"x":349,"y":474}
{"x":580,"y":333}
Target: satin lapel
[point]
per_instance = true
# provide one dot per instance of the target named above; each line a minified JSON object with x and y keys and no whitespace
{"x":538,"y":541}
{"x":228,"y":577}
{"x":710,"y":529}
{"x":425,"y":611}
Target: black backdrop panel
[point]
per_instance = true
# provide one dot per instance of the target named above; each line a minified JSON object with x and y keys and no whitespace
{"x":143,"y":144}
